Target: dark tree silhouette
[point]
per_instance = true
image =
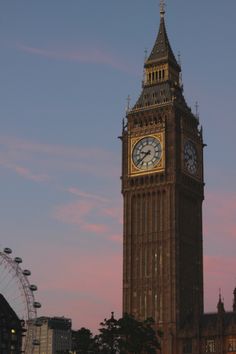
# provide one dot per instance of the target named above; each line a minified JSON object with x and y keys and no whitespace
{"x":108,"y":340}
{"x":82,"y":340}
{"x":128,"y":336}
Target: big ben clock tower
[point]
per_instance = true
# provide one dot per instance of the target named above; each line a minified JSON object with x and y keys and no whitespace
{"x":162,"y":187}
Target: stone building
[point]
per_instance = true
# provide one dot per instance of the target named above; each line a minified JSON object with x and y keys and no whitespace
{"x":163,"y":192}
{"x":53,"y":335}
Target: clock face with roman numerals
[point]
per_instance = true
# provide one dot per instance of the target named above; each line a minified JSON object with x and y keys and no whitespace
{"x":190,"y":157}
{"x":147,"y":153}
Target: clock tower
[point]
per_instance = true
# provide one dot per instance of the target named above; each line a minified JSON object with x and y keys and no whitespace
{"x":163,"y":191}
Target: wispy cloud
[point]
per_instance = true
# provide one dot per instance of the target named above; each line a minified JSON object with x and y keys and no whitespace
{"x":82,"y":55}
{"x":90,"y":216}
{"x":53,"y":157}
{"x":25,"y":172}
{"x":80,"y":214}
{"x":78,"y":193}
{"x":90,"y":212}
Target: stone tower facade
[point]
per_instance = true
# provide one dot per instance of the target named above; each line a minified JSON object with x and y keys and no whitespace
{"x":163,"y":191}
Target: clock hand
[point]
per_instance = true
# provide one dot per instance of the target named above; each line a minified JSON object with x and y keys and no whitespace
{"x":145,"y":154}
{"x":189,"y":156}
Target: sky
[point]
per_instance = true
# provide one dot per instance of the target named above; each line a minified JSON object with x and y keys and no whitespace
{"x":66,"y":69}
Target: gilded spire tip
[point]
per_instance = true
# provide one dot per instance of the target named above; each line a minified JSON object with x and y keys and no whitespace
{"x":162,"y":8}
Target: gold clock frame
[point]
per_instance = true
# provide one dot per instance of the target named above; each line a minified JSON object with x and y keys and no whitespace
{"x":160,"y":167}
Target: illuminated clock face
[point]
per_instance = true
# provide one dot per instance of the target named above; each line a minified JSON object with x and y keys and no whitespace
{"x":147,"y":153}
{"x":190,"y":157}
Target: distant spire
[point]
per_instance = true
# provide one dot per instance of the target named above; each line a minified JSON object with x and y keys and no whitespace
{"x":234,"y":301}
{"x":162,"y":8}
{"x":220,"y":305}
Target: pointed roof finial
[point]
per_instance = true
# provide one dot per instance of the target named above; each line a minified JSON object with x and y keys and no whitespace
{"x":128,"y":104}
{"x":179,"y":58}
{"x":145,"y":54}
{"x":220,"y":305}
{"x":162,"y":8}
{"x":197,"y":116}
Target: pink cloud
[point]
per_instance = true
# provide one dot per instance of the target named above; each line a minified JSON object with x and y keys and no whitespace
{"x":77,"y":192}
{"x":73,"y":212}
{"x":57,"y":158}
{"x":220,"y":211}
{"x":84,"y":55}
{"x":80,"y":214}
{"x":219,"y":243}
{"x":117,"y":238}
{"x":32,"y":147}
{"x":89,"y":280}
{"x":24,"y":172}
{"x":96,"y":228}
{"x":114,"y":212}
{"x":85,"y":213}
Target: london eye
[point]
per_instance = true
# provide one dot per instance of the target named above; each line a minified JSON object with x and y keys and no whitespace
{"x":19,"y":292}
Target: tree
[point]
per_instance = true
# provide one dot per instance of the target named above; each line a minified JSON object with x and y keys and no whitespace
{"x":82,"y":340}
{"x":138,"y":336}
{"x":128,"y":336}
{"x":108,"y":340}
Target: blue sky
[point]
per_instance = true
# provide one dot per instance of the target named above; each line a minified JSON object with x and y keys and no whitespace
{"x":67,"y":68}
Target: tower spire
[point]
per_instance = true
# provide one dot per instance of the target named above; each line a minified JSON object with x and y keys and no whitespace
{"x":162,"y":52}
{"x":162,"y":8}
{"x":220,"y":305}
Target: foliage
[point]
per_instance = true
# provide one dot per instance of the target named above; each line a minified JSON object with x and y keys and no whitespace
{"x":82,"y":340}
{"x":123,"y":336}
{"x":128,"y":336}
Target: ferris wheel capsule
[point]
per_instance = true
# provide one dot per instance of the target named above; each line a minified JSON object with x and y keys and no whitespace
{"x":7,"y":250}
{"x":18,"y":260}
{"x":37,"y":305}
{"x":33,"y":287}
{"x":26,"y":272}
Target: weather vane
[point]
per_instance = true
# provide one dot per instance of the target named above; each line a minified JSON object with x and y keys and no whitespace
{"x":162,"y":7}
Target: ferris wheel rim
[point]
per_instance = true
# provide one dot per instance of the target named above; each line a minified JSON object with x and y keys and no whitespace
{"x":26,"y":290}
